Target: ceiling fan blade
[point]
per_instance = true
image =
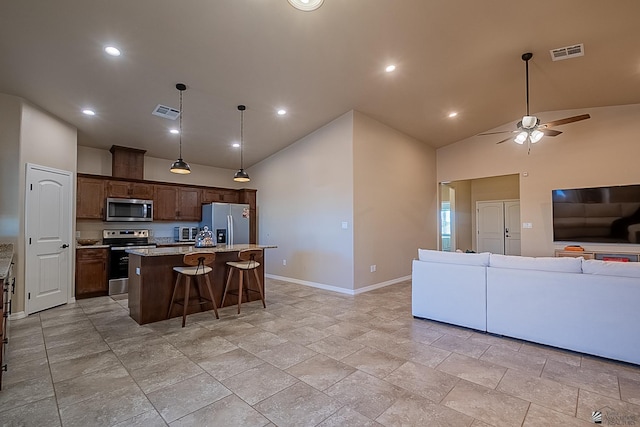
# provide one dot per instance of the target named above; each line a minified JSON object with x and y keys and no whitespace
{"x":499,"y":132}
{"x":504,"y":140}
{"x":566,"y":121}
{"x":550,"y":132}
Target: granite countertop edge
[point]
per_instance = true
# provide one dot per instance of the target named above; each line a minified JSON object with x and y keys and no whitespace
{"x":6,"y":257}
{"x":181,"y":250}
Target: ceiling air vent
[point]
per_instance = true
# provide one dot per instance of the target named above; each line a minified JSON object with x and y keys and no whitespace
{"x":567,"y":52}
{"x":166,"y":112}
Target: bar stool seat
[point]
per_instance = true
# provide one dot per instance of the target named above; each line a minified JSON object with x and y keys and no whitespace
{"x":246,"y":262}
{"x":196,"y":267}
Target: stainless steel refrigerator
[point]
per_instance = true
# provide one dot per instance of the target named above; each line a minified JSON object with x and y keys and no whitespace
{"x":228,"y":222}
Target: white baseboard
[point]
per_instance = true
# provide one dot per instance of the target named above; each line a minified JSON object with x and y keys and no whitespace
{"x":382,"y":284}
{"x":336,"y":288}
{"x":17,"y":316}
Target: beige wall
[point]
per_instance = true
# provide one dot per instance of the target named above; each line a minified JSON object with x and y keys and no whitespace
{"x":305,"y":193}
{"x":600,"y":151}
{"x":463,"y":215}
{"x":98,"y":162}
{"x":10,"y":113}
{"x":43,"y":140}
{"x":394,"y":201}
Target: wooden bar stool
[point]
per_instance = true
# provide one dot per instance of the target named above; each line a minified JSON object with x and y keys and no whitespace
{"x":196,"y":267}
{"x":246,"y":261}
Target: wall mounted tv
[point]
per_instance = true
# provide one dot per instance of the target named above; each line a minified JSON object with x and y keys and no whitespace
{"x":597,"y":215}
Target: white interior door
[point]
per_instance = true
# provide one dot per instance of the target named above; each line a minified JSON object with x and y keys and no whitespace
{"x":498,"y":227}
{"x":490,"y":227}
{"x":48,"y":229}
{"x":512,"y":228}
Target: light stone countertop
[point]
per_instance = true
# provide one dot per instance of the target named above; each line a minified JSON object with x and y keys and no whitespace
{"x":181,"y":250}
{"x":6,"y":256}
{"x":96,"y":246}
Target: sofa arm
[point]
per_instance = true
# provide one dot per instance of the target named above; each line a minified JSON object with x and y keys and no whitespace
{"x":450,"y":293}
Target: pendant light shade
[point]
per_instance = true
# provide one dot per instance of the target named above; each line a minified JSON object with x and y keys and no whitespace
{"x":180,"y":166}
{"x":241,"y":175}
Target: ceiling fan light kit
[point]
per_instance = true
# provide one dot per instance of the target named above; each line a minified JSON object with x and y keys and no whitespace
{"x":306,"y":5}
{"x":180,"y":166}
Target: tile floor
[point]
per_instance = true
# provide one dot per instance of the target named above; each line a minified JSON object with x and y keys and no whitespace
{"x":311,"y":358}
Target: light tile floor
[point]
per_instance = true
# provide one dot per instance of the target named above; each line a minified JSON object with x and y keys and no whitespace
{"x":311,"y":358}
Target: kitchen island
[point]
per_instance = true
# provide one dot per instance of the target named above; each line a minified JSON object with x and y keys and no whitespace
{"x":151,"y":279}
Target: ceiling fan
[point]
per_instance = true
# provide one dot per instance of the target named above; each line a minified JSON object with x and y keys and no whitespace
{"x":529,"y":128}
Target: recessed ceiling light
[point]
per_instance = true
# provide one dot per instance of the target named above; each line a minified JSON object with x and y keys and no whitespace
{"x":174,"y":131}
{"x":282,"y":112}
{"x":306,"y":5}
{"x":453,"y":114}
{"x":235,"y":145}
{"x":390,"y":68}
{"x":113,"y":51}
{"x":88,"y":112}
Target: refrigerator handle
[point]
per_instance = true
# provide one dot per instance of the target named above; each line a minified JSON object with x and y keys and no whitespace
{"x":229,"y":230}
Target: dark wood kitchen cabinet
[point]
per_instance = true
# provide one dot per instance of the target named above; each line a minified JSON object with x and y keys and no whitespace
{"x":92,"y":269}
{"x":129,"y":190}
{"x":173,"y":203}
{"x":214,"y":195}
{"x":90,"y":198}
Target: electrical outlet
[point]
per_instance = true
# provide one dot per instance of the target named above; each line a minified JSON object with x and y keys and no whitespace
{"x":284,"y":262}
{"x":373,"y":268}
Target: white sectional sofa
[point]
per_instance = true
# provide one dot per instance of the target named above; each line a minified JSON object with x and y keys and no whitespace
{"x":587,"y":306}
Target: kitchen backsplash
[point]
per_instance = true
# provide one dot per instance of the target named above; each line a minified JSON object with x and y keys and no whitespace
{"x":158,"y":231}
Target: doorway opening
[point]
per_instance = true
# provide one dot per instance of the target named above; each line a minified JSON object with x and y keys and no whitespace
{"x":457,"y":205}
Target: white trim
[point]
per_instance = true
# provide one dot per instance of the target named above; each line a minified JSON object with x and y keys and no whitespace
{"x":336,"y":288}
{"x":382,"y":284}
{"x":17,"y":316}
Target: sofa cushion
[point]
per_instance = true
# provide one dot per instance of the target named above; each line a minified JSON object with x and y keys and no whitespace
{"x":559,"y":264}
{"x":481,"y":259}
{"x":611,"y":268}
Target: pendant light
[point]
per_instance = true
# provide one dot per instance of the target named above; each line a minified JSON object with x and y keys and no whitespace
{"x":241,"y":175}
{"x":180,"y":166}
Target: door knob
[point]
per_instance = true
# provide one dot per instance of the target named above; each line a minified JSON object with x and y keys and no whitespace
{"x":64,"y":246}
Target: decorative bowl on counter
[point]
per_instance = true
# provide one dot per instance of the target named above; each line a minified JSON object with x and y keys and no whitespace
{"x":204,"y":239}
{"x":87,"y":242}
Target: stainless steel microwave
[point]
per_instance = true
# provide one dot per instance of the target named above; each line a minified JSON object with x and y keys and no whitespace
{"x":129,"y":210}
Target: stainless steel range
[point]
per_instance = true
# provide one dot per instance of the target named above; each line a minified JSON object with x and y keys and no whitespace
{"x":119,"y":241}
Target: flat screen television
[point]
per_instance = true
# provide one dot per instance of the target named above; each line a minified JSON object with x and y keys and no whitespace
{"x":597,"y":215}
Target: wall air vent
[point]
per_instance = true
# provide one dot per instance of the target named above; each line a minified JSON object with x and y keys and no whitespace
{"x":567,"y":52}
{"x":166,"y":112}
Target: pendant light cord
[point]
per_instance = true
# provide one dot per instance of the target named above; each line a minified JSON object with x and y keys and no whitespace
{"x":526,"y":65}
{"x":242,"y":139}
{"x":180,"y":138}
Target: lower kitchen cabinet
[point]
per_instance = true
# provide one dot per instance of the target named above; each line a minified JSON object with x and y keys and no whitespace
{"x":6,"y":288}
{"x":92,"y":272}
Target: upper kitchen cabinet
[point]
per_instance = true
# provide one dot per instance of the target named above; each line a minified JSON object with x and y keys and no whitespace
{"x":173,"y":203}
{"x":90,"y":198}
{"x":129,"y":190}
{"x":222,"y":195}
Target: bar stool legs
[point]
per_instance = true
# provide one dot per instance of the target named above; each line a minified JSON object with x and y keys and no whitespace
{"x":196,"y":268}
{"x":247,"y":261}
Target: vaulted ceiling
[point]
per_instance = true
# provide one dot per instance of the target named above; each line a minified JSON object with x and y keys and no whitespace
{"x":461,"y":56}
